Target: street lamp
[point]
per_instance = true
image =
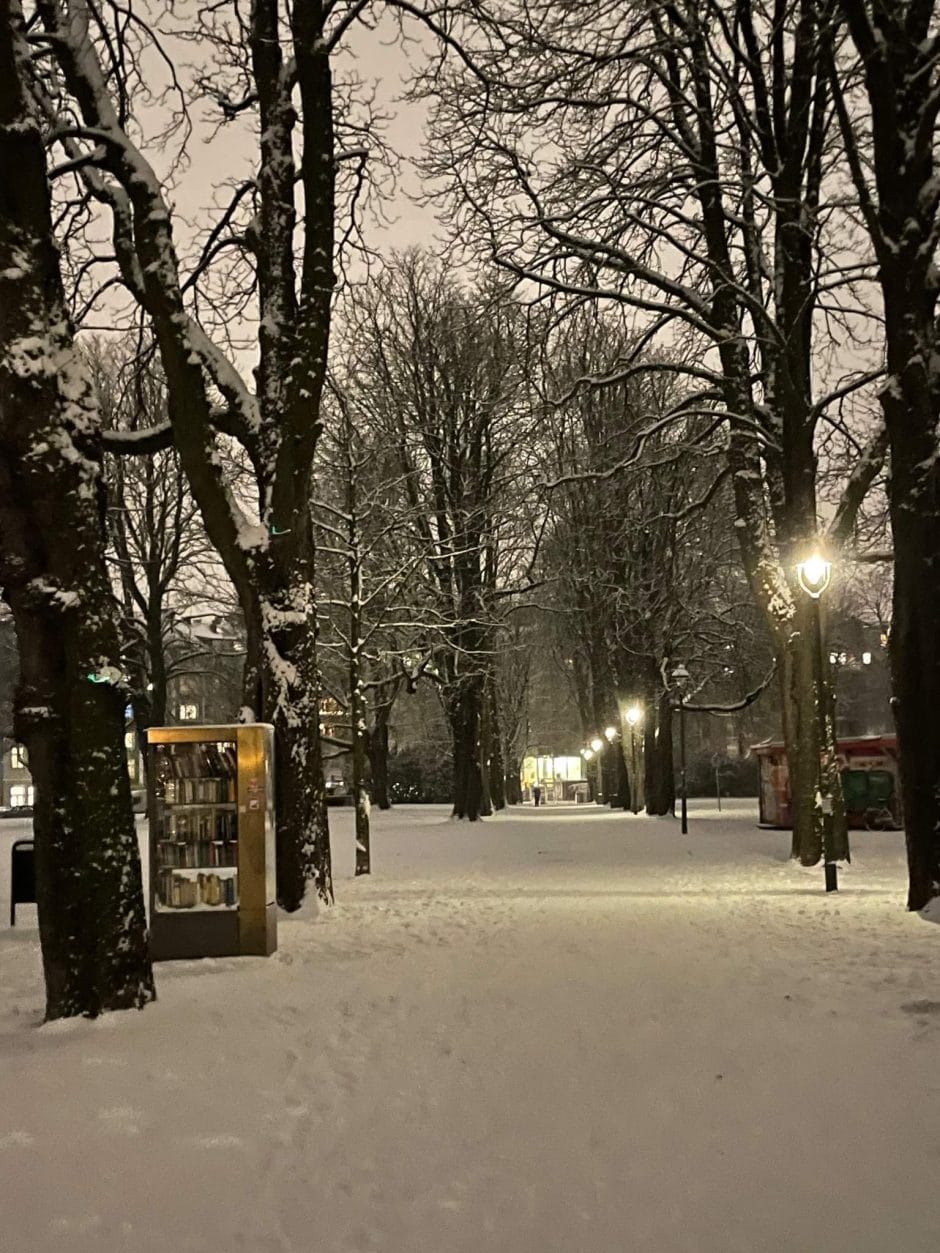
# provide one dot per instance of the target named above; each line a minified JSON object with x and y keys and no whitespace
{"x":814,"y":574}
{"x":680,"y":681}
{"x":633,"y":716}
{"x":597,"y":744}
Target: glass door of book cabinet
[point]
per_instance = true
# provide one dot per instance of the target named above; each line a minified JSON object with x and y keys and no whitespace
{"x":197,"y":826}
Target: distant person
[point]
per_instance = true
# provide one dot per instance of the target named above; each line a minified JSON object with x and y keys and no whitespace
{"x":537,"y":796}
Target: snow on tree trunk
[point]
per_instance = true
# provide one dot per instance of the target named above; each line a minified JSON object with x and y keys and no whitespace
{"x":284,"y":664}
{"x":357,"y":715}
{"x":69,"y":706}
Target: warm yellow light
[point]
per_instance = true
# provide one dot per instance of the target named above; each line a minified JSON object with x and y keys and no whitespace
{"x":611,"y":733}
{"x":814,"y":574}
{"x":597,"y":743}
{"x":587,"y":753}
{"x":634,"y":714}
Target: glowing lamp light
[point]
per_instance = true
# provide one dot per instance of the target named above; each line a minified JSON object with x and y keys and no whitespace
{"x":587,"y":753}
{"x":634,"y":714}
{"x":597,"y":743}
{"x":814,"y":574}
{"x":611,"y":733}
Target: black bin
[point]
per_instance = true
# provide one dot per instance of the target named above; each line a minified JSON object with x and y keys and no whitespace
{"x":22,"y":876}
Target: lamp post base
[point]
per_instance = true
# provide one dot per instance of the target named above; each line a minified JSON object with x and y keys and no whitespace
{"x":832,"y":876}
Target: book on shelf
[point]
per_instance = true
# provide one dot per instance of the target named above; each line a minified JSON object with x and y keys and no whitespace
{"x":200,"y":773}
{"x":211,"y":824}
{"x":196,"y":854}
{"x":177,"y":891}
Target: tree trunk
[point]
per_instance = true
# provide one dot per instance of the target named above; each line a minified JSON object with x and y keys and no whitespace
{"x":357,"y":704}
{"x":513,"y":778}
{"x":378,"y":758}
{"x":809,"y":740}
{"x":495,"y":771}
{"x":659,"y":775}
{"x":283,"y":688}
{"x":464,"y":710}
{"x":801,"y":739}
{"x":69,"y":706}
{"x":897,"y":45}
{"x":914,"y":642}
{"x":149,"y":699}
{"x":622,"y":796}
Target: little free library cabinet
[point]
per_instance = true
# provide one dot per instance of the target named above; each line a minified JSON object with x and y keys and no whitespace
{"x":212,"y":842}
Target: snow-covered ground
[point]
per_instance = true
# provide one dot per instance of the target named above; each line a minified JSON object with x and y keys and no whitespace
{"x":558,"y":1031}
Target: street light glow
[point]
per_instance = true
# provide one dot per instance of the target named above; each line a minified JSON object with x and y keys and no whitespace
{"x":814,"y":574}
{"x":634,"y":714}
{"x":597,"y":743}
{"x":611,"y":733}
{"x":587,"y":753}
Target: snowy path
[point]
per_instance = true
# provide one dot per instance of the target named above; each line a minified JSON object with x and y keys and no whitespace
{"x":562,"y":1031}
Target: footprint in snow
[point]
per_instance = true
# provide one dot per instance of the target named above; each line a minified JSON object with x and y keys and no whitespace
{"x":922,"y":1008}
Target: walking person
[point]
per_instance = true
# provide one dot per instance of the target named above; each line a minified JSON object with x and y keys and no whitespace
{"x":537,"y":795}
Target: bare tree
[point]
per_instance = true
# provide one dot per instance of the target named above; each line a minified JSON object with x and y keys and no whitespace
{"x":442,"y":373}
{"x":69,"y":703}
{"x":678,"y":161}
{"x":367,"y":571}
{"x":272,"y":67}
{"x":636,"y":561}
{"x":895,"y":174}
{"x":165,"y":572}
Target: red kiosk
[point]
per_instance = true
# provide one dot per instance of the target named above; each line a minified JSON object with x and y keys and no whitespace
{"x":870,"y":782}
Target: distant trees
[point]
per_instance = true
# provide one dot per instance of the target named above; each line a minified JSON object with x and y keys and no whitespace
{"x":441,"y":373}
{"x":164,"y":570}
{"x":680,"y":162}
{"x":364,"y":522}
{"x":638,"y":546}
{"x":69,"y":702}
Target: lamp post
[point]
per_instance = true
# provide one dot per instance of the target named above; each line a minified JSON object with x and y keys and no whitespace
{"x":680,"y":679}
{"x":633,"y":716}
{"x":814,"y":574}
{"x":588,"y":755}
{"x":596,"y":745}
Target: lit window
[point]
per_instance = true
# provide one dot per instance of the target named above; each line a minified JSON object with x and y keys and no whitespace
{"x":21,"y":795}
{"x":18,"y":758}
{"x":189,"y":713}
{"x":130,"y":741}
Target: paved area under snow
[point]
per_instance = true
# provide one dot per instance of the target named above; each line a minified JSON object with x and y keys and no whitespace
{"x":559,"y":1031}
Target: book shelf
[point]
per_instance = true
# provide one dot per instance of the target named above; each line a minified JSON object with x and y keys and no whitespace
{"x":212,"y":842}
